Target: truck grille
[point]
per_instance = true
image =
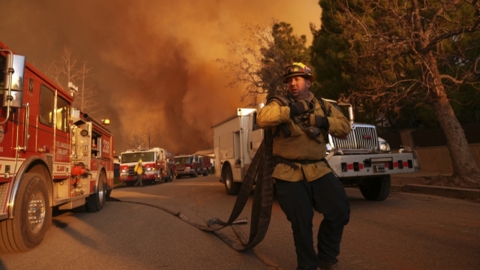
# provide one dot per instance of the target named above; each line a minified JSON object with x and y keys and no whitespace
{"x":180,"y":168}
{"x":362,"y":137}
{"x":131,"y":170}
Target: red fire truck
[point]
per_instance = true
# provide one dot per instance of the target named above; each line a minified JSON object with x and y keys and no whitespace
{"x":157,"y":162}
{"x":191,"y":165}
{"x":50,"y":154}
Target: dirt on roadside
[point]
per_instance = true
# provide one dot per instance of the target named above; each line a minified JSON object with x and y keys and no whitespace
{"x":443,"y":180}
{"x":402,"y":180}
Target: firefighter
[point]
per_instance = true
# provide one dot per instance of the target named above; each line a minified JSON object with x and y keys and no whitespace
{"x":304,"y":181}
{"x":139,"y":173}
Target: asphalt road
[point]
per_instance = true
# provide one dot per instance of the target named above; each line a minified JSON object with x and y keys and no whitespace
{"x":407,"y":231}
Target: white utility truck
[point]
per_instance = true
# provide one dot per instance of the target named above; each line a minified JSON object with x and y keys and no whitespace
{"x":361,"y":159}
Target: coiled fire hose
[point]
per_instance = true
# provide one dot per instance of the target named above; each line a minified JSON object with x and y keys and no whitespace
{"x":260,"y":174}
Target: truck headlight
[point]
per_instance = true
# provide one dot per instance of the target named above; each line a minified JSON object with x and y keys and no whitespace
{"x":384,"y":146}
{"x":329,"y":147}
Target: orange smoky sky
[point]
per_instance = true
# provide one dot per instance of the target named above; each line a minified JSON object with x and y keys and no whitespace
{"x":152,"y":61}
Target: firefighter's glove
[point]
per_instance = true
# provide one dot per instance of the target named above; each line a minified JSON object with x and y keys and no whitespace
{"x":310,"y":119}
{"x":299,"y":107}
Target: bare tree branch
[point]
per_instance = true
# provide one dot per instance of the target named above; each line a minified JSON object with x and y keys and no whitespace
{"x":422,"y":52}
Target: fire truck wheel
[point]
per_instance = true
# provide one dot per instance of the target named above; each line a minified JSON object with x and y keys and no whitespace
{"x":96,"y":201}
{"x":375,"y":188}
{"x":32,"y":216}
{"x":194,"y":175}
{"x":205,"y":173}
{"x":231,"y":187}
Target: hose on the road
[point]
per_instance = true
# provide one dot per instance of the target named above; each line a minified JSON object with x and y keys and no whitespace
{"x":260,"y":174}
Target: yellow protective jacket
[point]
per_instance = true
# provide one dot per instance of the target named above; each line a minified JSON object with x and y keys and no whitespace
{"x":299,"y":146}
{"x":138,"y":169}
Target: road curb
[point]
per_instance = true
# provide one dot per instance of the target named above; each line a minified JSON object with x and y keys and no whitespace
{"x":119,"y":185}
{"x":449,"y":192}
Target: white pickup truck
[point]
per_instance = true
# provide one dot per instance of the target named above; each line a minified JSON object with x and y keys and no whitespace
{"x":361,"y":159}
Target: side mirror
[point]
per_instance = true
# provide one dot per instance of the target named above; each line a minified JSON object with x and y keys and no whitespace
{"x":14,"y":78}
{"x":347,"y":108}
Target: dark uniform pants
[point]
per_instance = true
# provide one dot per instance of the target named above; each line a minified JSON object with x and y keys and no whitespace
{"x":139,"y":180}
{"x":298,"y":200}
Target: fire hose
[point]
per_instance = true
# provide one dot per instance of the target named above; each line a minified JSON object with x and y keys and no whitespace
{"x":259,"y":174}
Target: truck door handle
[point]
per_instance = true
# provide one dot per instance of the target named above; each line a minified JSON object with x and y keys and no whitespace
{"x":27,"y":118}
{"x":26,"y":124}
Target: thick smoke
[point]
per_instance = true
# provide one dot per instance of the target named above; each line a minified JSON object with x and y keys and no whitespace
{"x":153,"y":61}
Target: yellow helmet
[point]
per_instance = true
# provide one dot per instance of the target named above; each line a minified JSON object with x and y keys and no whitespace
{"x":297,"y":69}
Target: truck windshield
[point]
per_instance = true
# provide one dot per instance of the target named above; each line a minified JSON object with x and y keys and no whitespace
{"x":183,"y":160}
{"x":134,"y":157}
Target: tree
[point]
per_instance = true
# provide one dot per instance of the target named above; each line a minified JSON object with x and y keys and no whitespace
{"x":66,"y":71}
{"x":259,"y":60}
{"x":150,"y":139}
{"x":137,"y":142}
{"x":331,"y":57}
{"x":146,"y":139}
{"x":392,"y":54}
{"x":87,"y":99}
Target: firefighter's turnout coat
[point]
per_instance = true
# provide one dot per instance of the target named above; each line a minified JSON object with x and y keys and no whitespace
{"x":299,"y":147}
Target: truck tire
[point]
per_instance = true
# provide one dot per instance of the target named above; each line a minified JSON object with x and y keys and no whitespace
{"x":205,"y":173}
{"x":96,"y":201}
{"x":375,"y":188}
{"x":195,"y":174}
{"x":32,"y":216}
{"x":231,"y":187}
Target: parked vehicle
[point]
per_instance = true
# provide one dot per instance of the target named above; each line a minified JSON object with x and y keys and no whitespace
{"x":116,"y":170}
{"x":157,"y":163}
{"x":361,"y":159}
{"x":191,"y":165}
{"x":51,"y":155}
